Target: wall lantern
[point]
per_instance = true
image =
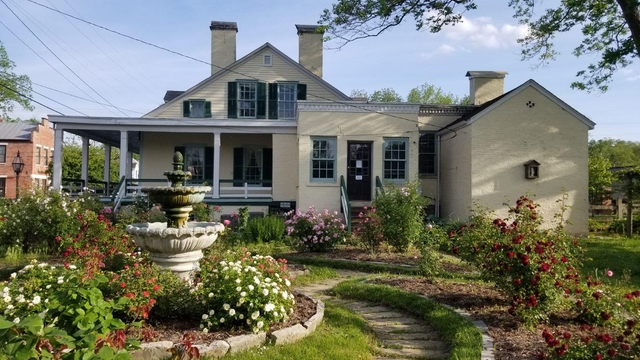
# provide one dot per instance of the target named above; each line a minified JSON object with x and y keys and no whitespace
{"x":531,"y":169}
{"x":17,"y":165}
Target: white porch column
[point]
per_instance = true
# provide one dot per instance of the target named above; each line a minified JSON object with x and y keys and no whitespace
{"x":57,"y":159}
{"x":129,"y":164}
{"x":107,"y":163}
{"x":216,"y":165}
{"x":84,"y":173}
{"x":124,"y":152}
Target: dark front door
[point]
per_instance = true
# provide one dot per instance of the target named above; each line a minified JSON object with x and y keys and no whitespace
{"x":359,"y":171}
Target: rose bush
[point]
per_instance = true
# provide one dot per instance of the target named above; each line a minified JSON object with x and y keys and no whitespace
{"x":314,"y":231}
{"x":369,"y":230}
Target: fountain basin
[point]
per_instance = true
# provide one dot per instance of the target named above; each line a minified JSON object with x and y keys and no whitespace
{"x":175,"y":249}
{"x":169,"y":196}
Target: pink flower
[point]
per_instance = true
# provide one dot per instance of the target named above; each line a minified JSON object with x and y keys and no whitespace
{"x":226,"y":222}
{"x":609,"y":273}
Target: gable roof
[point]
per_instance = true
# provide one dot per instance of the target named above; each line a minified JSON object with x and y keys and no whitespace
{"x":245,"y":59}
{"x":172,"y":94}
{"x":16,"y":131}
{"x":487,"y":107}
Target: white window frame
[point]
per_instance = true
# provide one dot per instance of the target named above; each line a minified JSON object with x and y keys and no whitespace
{"x":197,"y":168}
{"x":267,"y":60}
{"x":242,"y":101}
{"x":38,"y":154}
{"x":198,"y":101}
{"x":290,"y":102}
{"x":46,"y":156}
{"x":333,"y":142}
{"x":434,"y":153}
{"x":389,"y":160}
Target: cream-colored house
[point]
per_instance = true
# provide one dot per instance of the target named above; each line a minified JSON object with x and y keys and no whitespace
{"x":269,"y":132}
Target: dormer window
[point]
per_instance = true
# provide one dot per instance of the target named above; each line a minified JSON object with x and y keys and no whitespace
{"x":196,"y":108}
{"x":267,"y":60}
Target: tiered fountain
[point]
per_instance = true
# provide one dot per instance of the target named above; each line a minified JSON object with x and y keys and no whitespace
{"x":177,"y":244}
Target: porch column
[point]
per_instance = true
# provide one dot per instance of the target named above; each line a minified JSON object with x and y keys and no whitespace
{"x":84,"y":173}
{"x":216,"y":165}
{"x":129,"y":164}
{"x":57,"y":159}
{"x":124,"y":152}
{"x":107,"y":163}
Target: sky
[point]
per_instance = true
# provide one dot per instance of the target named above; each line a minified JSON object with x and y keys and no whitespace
{"x":123,"y":77}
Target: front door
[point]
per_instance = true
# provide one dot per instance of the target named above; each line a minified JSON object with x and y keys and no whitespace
{"x":359,"y":171}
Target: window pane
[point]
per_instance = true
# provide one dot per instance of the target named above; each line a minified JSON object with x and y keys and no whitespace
{"x":3,"y":185}
{"x":247,"y":99}
{"x":3,"y":153}
{"x":253,"y":164}
{"x":323,"y":159}
{"x":194,"y":162}
{"x":197,"y":108}
{"x":46,"y":156}
{"x":286,"y":101}
{"x":395,"y":159}
{"x":427,"y":153}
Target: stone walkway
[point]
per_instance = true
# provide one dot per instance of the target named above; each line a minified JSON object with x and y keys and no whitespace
{"x":400,"y":336}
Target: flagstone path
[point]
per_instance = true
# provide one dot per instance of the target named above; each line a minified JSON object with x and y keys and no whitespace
{"x":400,"y":336}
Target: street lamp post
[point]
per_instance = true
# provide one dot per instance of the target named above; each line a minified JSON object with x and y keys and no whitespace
{"x":18,"y":165}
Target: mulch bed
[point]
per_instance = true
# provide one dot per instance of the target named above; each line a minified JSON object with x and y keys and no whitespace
{"x":173,"y":329}
{"x":357,"y":254}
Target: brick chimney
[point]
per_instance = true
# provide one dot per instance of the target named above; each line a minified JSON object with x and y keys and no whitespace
{"x":223,"y":44}
{"x":485,"y":85}
{"x":310,"y":48}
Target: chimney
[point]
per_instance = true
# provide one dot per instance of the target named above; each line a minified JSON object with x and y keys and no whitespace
{"x":485,"y":85}
{"x":310,"y":48}
{"x":223,"y":44}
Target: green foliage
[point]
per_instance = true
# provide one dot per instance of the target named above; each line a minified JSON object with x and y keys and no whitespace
{"x":369,"y":230}
{"x":17,"y":83}
{"x":619,"y":226}
{"x":204,"y":212}
{"x":430,"y":241}
{"x":600,"y":178}
{"x":400,"y":210}
{"x":598,"y":226}
{"x":72,"y":162}
{"x":140,"y":211}
{"x":265,"y":230}
{"x":609,"y":28}
{"x":618,"y":152}
{"x":431,"y":94}
{"x":35,"y":220}
{"x":314,"y":231}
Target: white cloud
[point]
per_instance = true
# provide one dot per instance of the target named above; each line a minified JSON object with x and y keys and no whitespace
{"x":630,"y":74}
{"x":478,"y":33}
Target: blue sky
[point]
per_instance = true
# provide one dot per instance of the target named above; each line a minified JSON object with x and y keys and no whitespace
{"x":134,"y":77}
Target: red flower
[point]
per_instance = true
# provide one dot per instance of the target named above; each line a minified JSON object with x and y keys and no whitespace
{"x":129,"y":295}
{"x":545,"y":267}
{"x":156,"y":287}
{"x":511,"y":254}
{"x":123,"y":284}
{"x":145,"y":293}
{"x":152,"y":301}
{"x":612,"y":352}
{"x":566,"y":335}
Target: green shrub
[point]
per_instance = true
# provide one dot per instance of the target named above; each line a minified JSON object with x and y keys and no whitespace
{"x":431,"y":239}
{"x":619,"y":226}
{"x":598,"y":226}
{"x":401,"y":212}
{"x":315,"y":231}
{"x":369,"y":230}
{"x":264,"y":230}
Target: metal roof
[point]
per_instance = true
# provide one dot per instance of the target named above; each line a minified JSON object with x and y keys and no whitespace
{"x":16,"y":131}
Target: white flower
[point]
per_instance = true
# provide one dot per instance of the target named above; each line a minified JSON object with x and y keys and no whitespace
{"x":240,"y":316}
{"x":285,"y":295}
{"x":211,"y":312}
{"x":36,"y":300}
{"x":251,"y":288}
{"x":255,"y":314}
{"x":60,"y":279}
{"x":72,"y":267}
{"x":205,"y":316}
{"x":275,"y":290}
{"x":267,"y":280}
{"x":239,"y":288}
{"x":232,"y":312}
{"x":7,"y":299}
{"x":13,"y":275}
{"x":16,"y":320}
{"x":48,"y":286}
{"x":269,"y":307}
{"x":265,"y":292}
{"x":6,"y":289}
{"x":260,"y":324}
{"x":243,"y":294}
{"x":221,"y":320}
{"x":210,"y":295}
{"x":287,"y":282}
{"x":226,"y":307}
{"x":205,"y":330}
{"x":238,"y":281}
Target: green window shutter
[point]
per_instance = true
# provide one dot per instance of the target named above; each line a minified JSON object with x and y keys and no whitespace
{"x":238,"y":168}
{"x":273,"y":101}
{"x":207,"y":109}
{"x":232,"y":100}
{"x":208,"y":164}
{"x":186,"y":108}
{"x":180,"y":149}
{"x":302,"y":91}
{"x":267,"y":166}
{"x":261,"y":107}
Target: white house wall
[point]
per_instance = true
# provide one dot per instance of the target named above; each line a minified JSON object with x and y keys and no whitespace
{"x":349,"y":126}
{"x":216,"y":92}
{"x":514,"y":133}
{"x":455,"y":174}
{"x":285,"y":167}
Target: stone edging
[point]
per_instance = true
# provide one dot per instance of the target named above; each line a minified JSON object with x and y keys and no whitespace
{"x":487,"y":340}
{"x":219,"y":348}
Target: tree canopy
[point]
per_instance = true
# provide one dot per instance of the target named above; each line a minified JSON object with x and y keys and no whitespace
{"x":610,"y":28}
{"x":13,"y":87}
{"x":618,"y":152}
{"x":423,"y":94}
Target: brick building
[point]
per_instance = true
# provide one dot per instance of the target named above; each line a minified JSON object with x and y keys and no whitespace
{"x":35,"y":143}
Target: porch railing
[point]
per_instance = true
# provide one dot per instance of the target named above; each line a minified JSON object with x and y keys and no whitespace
{"x":73,"y":186}
{"x":245,"y":188}
{"x":118,"y":194}
{"x":345,"y":204}
{"x":379,"y":188}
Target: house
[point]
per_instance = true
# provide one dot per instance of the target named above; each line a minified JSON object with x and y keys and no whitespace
{"x":267,"y":131}
{"x":35,"y":144}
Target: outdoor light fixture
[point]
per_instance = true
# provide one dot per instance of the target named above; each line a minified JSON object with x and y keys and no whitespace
{"x":18,"y":165}
{"x":531,"y":169}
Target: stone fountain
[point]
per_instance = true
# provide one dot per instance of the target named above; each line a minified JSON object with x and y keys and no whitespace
{"x":177,"y":244}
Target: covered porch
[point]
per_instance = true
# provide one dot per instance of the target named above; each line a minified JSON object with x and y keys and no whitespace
{"x":234,"y":157}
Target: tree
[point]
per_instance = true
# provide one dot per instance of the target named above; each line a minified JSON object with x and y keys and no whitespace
{"x":13,"y":88}
{"x":618,"y":152}
{"x":431,"y":94}
{"x":610,"y":28}
{"x":600,"y":178}
{"x":630,"y":182}
{"x":72,"y":162}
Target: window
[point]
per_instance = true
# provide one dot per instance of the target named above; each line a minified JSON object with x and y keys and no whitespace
{"x":194,"y":162}
{"x":3,"y":154}
{"x":323,"y":159}
{"x":427,"y":159}
{"x":196,"y":108}
{"x":247,"y":100}
{"x":38,"y":148}
{"x":286,"y":101}
{"x":3,"y":187}
{"x":395,"y":159}
{"x":267,"y":60}
{"x":46,"y":156}
{"x":252,"y":165}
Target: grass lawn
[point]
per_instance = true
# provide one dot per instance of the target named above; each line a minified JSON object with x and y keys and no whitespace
{"x":618,"y":254}
{"x":342,"y":335}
